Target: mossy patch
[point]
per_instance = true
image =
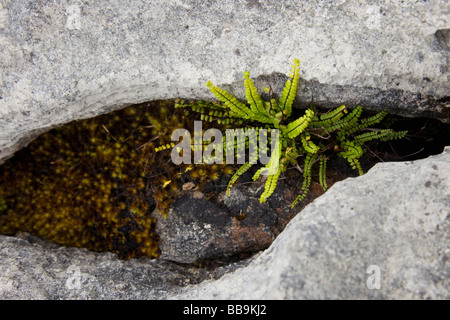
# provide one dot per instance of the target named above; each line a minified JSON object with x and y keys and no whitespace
{"x":94,"y":183}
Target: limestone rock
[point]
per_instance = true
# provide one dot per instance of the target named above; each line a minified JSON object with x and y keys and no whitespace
{"x":392,"y":223}
{"x":72,"y":60}
{"x":33,"y":269}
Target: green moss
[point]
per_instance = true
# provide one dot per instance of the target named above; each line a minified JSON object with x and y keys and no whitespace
{"x":94,"y":183}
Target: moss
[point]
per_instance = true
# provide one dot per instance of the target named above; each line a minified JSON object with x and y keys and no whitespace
{"x":3,"y":206}
{"x":94,"y":183}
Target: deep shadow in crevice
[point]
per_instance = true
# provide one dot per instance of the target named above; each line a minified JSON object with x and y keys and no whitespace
{"x":425,"y":137}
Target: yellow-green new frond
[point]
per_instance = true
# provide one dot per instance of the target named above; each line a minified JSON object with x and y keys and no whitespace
{"x":290,"y":89}
{"x":254,"y":100}
{"x":330,"y":118}
{"x":308,"y":145}
{"x":237,"y":107}
{"x":269,"y":188}
{"x":236,"y":176}
{"x":165,"y":147}
{"x":296,"y":127}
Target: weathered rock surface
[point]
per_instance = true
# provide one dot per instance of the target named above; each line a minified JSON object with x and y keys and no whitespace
{"x":394,"y":218}
{"x":199,"y":230}
{"x":72,"y":60}
{"x":34,"y":269}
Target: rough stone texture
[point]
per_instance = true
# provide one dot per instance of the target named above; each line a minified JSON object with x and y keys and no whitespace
{"x":396,"y":217}
{"x":34,"y":269}
{"x":69,"y":59}
{"x":199,"y":230}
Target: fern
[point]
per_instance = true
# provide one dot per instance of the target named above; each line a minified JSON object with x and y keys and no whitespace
{"x":296,"y":127}
{"x":238,"y":108}
{"x":350,"y":128}
{"x":236,"y":176}
{"x":209,"y":111}
{"x":382,"y":135}
{"x":270,"y":186}
{"x":334,"y":115}
{"x":353,"y":151}
{"x":308,"y":145}
{"x":323,"y":172}
{"x":290,"y":89}
{"x":310,"y":137}
{"x":255,"y":101}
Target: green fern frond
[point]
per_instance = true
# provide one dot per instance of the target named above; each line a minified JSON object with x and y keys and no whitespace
{"x":346,"y":122}
{"x":308,"y":145}
{"x":353,"y":151}
{"x":270,"y":185}
{"x":354,"y":163}
{"x":242,"y":169}
{"x":350,"y":119}
{"x":290,"y":89}
{"x":273,"y":169}
{"x":323,"y":172}
{"x":377,"y":118}
{"x":364,"y":123}
{"x":368,"y":136}
{"x":307,"y":174}
{"x":255,"y":101}
{"x":395,"y":135}
{"x":210,"y":111}
{"x":335,"y":114}
{"x":328,"y":119}
{"x":236,"y":107}
{"x":296,"y":127}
